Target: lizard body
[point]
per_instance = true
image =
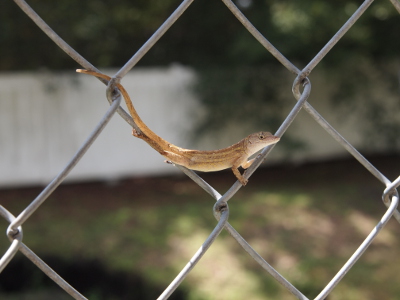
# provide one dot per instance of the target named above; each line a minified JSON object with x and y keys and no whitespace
{"x":233,"y":157}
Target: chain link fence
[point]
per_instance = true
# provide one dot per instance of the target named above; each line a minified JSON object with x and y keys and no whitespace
{"x":301,"y":90}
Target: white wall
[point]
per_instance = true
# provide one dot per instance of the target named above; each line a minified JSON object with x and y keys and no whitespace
{"x":45,"y":117}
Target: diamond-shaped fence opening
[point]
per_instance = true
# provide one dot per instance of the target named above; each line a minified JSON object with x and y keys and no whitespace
{"x":301,"y":90}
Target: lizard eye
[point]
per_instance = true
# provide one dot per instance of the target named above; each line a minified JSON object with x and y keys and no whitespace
{"x":261,"y":136}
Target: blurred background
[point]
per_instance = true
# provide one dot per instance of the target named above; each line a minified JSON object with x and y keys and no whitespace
{"x":124,"y":223}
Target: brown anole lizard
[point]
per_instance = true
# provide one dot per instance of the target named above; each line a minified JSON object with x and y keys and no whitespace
{"x":207,"y":161}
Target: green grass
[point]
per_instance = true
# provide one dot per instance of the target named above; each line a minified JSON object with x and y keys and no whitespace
{"x":305,"y":221}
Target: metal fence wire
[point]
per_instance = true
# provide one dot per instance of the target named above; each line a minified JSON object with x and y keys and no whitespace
{"x":301,"y":90}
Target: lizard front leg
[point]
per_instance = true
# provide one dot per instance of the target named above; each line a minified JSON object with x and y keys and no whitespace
{"x":248,"y":163}
{"x":244,"y":165}
{"x":239,"y":176}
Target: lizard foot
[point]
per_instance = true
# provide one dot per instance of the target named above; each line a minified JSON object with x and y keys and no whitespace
{"x":135,"y":133}
{"x":243,"y":181}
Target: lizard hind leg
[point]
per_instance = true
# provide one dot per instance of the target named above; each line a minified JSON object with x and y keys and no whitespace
{"x":173,"y":158}
{"x":156,"y":146}
{"x":135,"y":133}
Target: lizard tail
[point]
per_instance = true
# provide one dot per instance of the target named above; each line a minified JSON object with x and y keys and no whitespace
{"x":143,"y":128}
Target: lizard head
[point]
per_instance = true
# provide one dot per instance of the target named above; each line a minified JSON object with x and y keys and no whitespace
{"x":259,"y":140}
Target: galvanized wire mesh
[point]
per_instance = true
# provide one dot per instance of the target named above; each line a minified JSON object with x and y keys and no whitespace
{"x":301,"y":90}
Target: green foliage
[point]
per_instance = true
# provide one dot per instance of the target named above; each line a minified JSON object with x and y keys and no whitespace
{"x":371,"y":90}
{"x":107,"y":33}
{"x":237,"y":92}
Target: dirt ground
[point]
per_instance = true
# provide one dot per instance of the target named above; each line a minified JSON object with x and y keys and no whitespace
{"x":305,"y":220}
